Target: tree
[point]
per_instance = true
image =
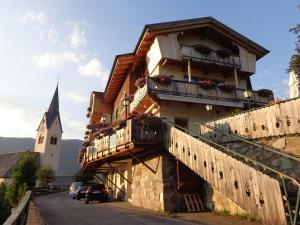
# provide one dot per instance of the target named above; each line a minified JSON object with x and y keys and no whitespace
{"x":83,"y":177}
{"x":45,"y":176}
{"x":23,"y":178}
{"x":4,"y":204}
{"x":295,"y":59}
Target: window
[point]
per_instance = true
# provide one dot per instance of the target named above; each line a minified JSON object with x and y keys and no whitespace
{"x":182,"y":123}
{"x":53,"y":140}
{"x":41,"y":140}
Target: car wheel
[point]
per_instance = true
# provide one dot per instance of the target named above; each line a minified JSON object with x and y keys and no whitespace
{"x":87,"y":201}
{"x":74,"y":197}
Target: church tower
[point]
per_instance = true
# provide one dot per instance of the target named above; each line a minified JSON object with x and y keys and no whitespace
{"x":49,"y":135}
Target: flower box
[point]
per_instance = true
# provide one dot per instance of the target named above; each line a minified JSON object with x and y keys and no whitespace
{"x":226,"y":87}
{"x":140,"y":82}
{"x":264,"y":93}
{"x":207,"y":84}
{"x":163,"y":79}
{"x":223,"y":53}
{"x":203,"y":49}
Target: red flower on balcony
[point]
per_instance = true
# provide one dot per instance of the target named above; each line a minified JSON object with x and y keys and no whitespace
{"x":163,"y":79}
{"x":140,"y":82}
{"x":207,"y":84}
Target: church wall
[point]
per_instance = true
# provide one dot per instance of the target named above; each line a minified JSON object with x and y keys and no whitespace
{"x":50,"y":153}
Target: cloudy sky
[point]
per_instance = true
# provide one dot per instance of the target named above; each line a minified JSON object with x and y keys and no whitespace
{"x":76,"y":41}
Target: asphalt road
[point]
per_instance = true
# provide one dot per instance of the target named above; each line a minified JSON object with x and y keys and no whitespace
{"x":58,"y":209}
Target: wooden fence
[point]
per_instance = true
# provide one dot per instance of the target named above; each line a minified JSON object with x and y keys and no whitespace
{"x":257,"y":193}
{"x":275,"y":120}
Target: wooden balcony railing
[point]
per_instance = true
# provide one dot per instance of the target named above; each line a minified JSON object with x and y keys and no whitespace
{"x":212,"y":58}
{"x":193,"y":89}
{"x":133,"y":133}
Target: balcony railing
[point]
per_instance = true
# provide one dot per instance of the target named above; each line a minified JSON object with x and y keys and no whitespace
{"x":212,"y":58}
{"x":194,"y":90}
{"x":133,"y":133}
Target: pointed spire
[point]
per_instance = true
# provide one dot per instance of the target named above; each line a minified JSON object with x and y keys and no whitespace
{"x":54,"y":105}
{"x":53,"y":110}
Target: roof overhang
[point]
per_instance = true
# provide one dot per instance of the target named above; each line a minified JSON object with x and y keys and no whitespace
{"x":123,"y":63}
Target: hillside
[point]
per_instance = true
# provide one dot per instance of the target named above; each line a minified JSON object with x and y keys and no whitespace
{"x":69,"y":151}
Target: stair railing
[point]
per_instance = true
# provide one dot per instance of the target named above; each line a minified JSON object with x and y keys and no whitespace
{"x":293,"y":214}
{"x":244,"y":139}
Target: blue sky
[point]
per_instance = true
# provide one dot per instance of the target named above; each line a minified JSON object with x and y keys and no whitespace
{"x":78,"y":41}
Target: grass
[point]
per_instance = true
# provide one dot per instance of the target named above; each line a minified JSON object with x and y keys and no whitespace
{"x":243,"y":216}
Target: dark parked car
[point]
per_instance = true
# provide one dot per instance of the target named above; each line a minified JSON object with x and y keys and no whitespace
{"x":96,"y":192}
{"x":81,"y":191}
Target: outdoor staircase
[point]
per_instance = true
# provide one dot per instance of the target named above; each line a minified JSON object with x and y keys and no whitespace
{"x":260,"y":179}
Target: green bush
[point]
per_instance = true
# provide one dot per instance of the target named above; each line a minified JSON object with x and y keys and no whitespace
{"x":5,"y":208}
{"x":45,"y":176}
{"x":23,"y":178}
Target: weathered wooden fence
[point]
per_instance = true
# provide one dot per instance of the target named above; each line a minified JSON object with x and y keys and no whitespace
{"x":275,"y":120}
{"x":257,"y":193}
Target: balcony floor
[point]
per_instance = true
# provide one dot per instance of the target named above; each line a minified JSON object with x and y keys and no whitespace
{"x":93,"y":162}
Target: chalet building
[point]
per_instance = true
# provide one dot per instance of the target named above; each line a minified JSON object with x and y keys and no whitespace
{"x":143,"y":134}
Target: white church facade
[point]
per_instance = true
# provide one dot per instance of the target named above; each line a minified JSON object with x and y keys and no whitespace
{"x":49,"y":136}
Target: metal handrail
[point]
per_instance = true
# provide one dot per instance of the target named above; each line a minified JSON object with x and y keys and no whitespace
{"x":243,"y":139}
{"x":249,"y":110}
{"x":20,"y":214}
{"x":281,"y":174}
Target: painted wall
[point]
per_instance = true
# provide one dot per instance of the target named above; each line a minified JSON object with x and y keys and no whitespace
{"x":50,"y":154}
{"x":193,"y":112}
{"x":168,"y":46}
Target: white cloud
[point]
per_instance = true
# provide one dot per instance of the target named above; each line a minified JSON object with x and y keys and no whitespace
{"x":32,"y":17}
{"x":76,"y":97}
{"x":14,"y":120}
{"x":77,"y":36}
{"x":93,"y":68}
{"x":48,"y":59}
{"x":39,"y":22}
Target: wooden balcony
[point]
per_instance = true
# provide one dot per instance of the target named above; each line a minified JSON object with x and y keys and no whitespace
{"x":212,"y":58}
{"x":185,"y":91}
{"x":132,"y":138}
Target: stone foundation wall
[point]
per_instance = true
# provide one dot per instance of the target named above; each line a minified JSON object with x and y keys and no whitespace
{"x":288,"y":143}
{"x":147,"y":187}
{"x":155,"y":191}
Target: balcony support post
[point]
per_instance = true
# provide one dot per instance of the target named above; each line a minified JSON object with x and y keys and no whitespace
{"x":189,"y":70}
{"x":117,"y":171}
{"x":95,"y":175}
{"x":140,"y":161}
{"x":236,"y":78}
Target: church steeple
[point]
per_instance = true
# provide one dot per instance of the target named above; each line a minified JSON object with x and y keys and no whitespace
{"x":49,"y":135}
{"x":53,"y":110}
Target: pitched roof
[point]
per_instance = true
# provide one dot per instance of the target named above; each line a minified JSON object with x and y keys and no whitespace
{"x":123,"y":62}
{"x":7,"y":163}
{"x":53,"y":111}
